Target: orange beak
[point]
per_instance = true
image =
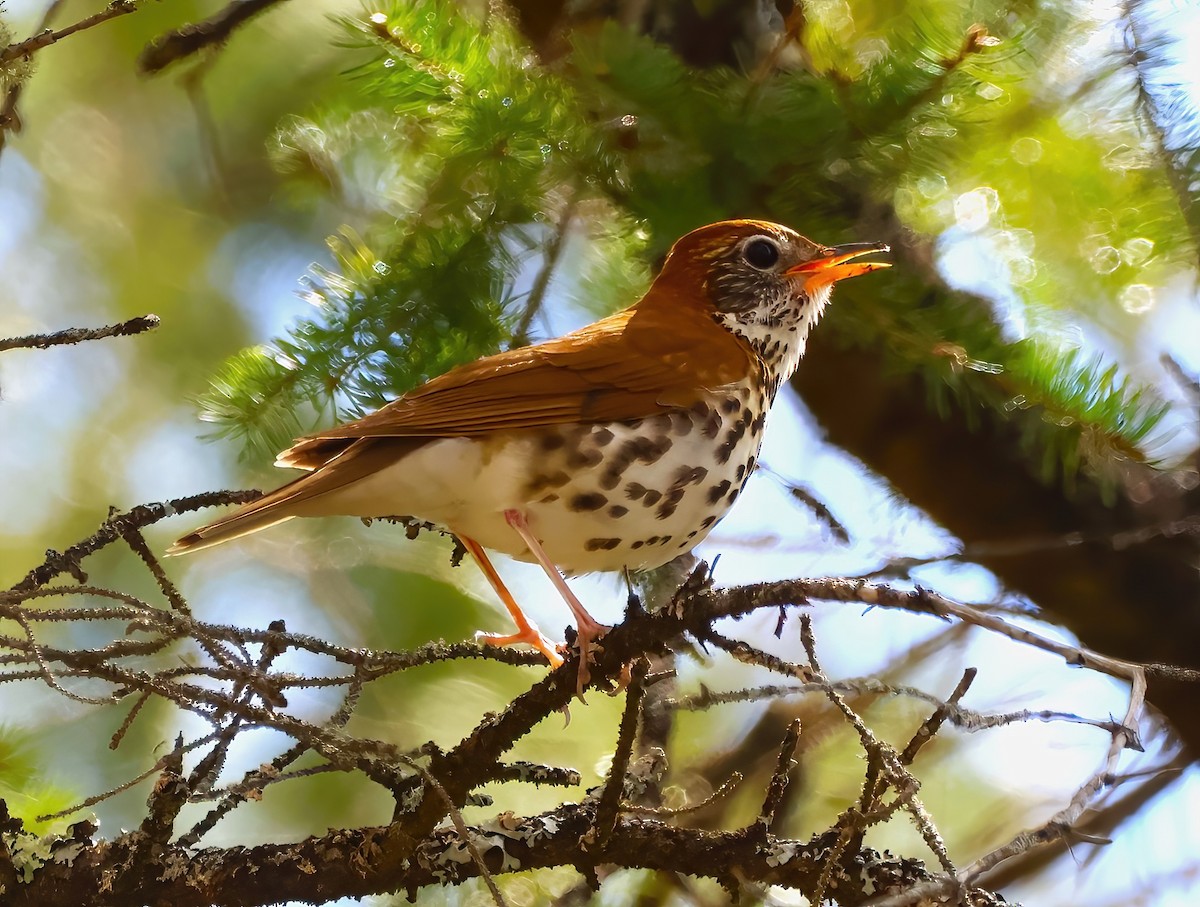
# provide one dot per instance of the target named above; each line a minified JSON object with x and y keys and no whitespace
{"x":835,"y":263}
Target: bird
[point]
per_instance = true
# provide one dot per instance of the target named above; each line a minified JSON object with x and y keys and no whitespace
{"x":618,"y":446}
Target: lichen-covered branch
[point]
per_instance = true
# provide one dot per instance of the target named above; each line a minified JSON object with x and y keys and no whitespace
{"x":77,"y":335}
{"x":232,"y":683}
{"x":359,"y":862}
{"x":48,"y":36}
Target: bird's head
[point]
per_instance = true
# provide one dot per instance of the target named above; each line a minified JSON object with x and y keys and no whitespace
{"x":747,"y":268}
{"x":763,"y":281}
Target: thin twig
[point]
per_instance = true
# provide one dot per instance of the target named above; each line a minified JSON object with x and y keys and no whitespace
{"x":926,"y":731}
{"x":45,"y":38}
{"x":905,"y":785}
{"x":748,"y":654}
{"x":541,"y":283}
{"x":10,"y":121}
{"x":78,"y":335}
{"x":179,"y":43}
{"x":116,"y":527}
{"x":767,"y":819}
{"x":614,"y":787}
{"x":727,"y":787}
{"x":460,"y":826}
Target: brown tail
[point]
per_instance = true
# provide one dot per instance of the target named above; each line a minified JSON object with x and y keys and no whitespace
{"x":266,"y":511}
{"x":346,"y":465}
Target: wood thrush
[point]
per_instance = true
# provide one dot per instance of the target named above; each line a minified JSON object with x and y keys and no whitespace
{"x":619,"y":445}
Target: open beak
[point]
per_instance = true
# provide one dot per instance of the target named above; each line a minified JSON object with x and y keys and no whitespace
{"x":837,"y":263}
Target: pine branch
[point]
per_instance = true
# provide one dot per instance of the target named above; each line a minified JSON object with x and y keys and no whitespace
{"x":1167,"y":110}
{"x":491,"y":144}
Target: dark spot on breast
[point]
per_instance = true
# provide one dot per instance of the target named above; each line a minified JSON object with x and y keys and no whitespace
{"x":699,"y":409}
{"x":689,"y":475}
{"x":612,"y":476}
{"x":747,"y":415}
{"x":548,"y":499}
{"x":712,"y":424}
{"x":718,"y":491}
{"x":616,"y":510}
{"x":638,"y":544}
{"x":693,"y":533}
{"x":733,"y":493}
{"x":708,"y":521}
{"x":660,"y":423}
{"x":725,"y":451}
{"x":741,"y":472}
{"x":681,"y":423}
{"x":659,"y":447}
{"x":602,"y":437}
{"x":730,"y":405}
{"x":634,"y":490}
{"x":670,"y":502}
{"x":547,"y":481}
{"x":664,"y":540}
{"x":760,"y":420}
{"x":601,"y":544}
{"x":651,"y":497}
{"x":592,"y":500}
{"x":653,"y":540}
{"x":618,"y":462}
{"x":646,"y":449}
{"x":551,"y":440}
{"x":582,"y":457}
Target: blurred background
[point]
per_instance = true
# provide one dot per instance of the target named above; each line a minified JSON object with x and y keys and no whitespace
{"x":324,"y":214}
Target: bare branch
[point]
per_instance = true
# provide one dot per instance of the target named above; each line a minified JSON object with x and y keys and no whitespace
{"x":45,"y":38}
{"x":179,"y":43}
{"x":614,"y":787}
{"x":234,"y":687}
{"x":766,"y":821}
{"x":128,"y":328}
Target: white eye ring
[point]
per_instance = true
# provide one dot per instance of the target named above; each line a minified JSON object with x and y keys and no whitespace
{"x":761,"y":253}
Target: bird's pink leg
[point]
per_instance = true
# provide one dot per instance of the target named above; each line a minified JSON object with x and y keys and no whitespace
{"x":527,"y":631}
{"x":587,"y":627}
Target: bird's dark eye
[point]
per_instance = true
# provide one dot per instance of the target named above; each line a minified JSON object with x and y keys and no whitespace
{"x":761,"y":253}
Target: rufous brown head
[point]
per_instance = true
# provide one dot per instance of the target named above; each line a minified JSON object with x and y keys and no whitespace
{"x":758,"y":279}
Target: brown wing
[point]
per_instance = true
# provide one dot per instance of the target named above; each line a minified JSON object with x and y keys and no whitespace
{"x":641,"y":361}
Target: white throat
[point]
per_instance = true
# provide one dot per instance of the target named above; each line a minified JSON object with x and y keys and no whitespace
{"x":778,"y":331}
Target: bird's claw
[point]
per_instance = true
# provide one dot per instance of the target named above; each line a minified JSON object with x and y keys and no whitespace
{"x":528,"y":634}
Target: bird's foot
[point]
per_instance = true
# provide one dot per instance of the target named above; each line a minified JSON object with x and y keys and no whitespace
{"x":525,"y":634}
{"x":586,"y":635}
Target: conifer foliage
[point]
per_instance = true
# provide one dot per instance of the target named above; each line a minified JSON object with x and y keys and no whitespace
{"x":470,"y":153}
